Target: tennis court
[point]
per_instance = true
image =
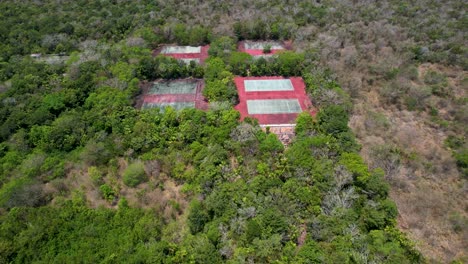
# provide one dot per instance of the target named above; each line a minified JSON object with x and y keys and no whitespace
{"x":186,"y":54}
{"x":278,"y":106}
{"x":179,"y":94}
{"x":272,"y":100}
{"x":174,"y":87}
{"x":261,"y":45}
{"x":189,"y":60}
{"x":268,"y":85}
{"x":180,"y":50}
{"x":176,"y":105}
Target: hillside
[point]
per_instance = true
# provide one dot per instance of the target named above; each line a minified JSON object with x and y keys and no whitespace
{"x":378,"y":175}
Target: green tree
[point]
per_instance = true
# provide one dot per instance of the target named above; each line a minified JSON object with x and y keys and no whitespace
{"x":222,"y":47}
{"x":289,"y":63}
{"x":333,"y":119}
{"x":355,"y":164}
{"x":271,"y":144}
{"x":304,"y":124}
{"x":197,"y":217}
{"x":215,"y":69}
{"x":239,"y":62}
{"x":135,"y":174}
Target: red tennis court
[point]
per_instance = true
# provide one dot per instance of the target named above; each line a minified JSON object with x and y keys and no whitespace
{"x":272,"y":100}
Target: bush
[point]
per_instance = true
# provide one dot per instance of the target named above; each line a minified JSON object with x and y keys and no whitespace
{"x":135,"y":174}
{"x":107,"y":192}
{"x":222,"y":47}
{"x":333,"y":119}
{"x":220,"y":91}
{"x":304,"y":124}
{"x":271,"y":144}
{"x":462,"y":161}
{"x":438,"y":83}
{"x":197,"y":217}
{"x":20,"y":192}
{"x":458,"y":222}
{"x":95,"y":175}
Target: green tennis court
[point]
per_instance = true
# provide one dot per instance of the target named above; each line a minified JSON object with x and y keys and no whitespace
{"x":277,"y":106}
{"x":176,"y":105}
{"x":268,"y":85}
{"x":174,"y":87}
{"x":188,"y":61}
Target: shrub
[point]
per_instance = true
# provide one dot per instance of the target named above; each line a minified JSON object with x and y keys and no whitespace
{"x":220,"y":91}
{"x":134,"y":174}
{"x":197,"y":217}
{"x":107,"y":192}
{"x":20,"y":192}
{"x":222,"y":46}
{"x":333,"y":119}
{"x":458,"y":222}
{"x":462,"y":161}
{"x":454,"y":142}
{"x":95,"y":175}
{"x":304,"y":124}
{"x":271,"y":144}
{"x":438,"y":83}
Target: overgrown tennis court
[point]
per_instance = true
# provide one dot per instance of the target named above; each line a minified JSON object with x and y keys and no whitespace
{"x":268,"y":85}
{"x":279,"y":106}
{"x":178,"y":94}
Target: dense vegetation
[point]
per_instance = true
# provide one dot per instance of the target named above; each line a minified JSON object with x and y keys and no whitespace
{"x":69,"y":130}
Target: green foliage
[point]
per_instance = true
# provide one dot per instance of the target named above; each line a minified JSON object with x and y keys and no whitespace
{"x":197,"y":218}
{"x":76,"y":233}
{"x":107,"y":192}
{"x":333,"y":119}
{"x":134,"y":174}
{"x":64,"y":134}
{"x":239,"y":62}
{"x":304,"y":124}
{"x":267,"y":49}
{"x":222,"y":47}
{"x":379,"y":216}
{"x":258,"y":29}
{"x":290,"y":63}
{"x":21,"y":192}
{"x":95,"y":175}
{"x":218,"y":90}
{"x":271,"y":144}
{"x":150,"y":68}
{"x":376,"y":186}
{"x":459,"y":152}
{"x":355,"y":164}
{"x":462,"y":161}
{"x":454,"y":142}
{"x":215,"y":69}
{"x":219,"y":82}
{"x":310,"y":252}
